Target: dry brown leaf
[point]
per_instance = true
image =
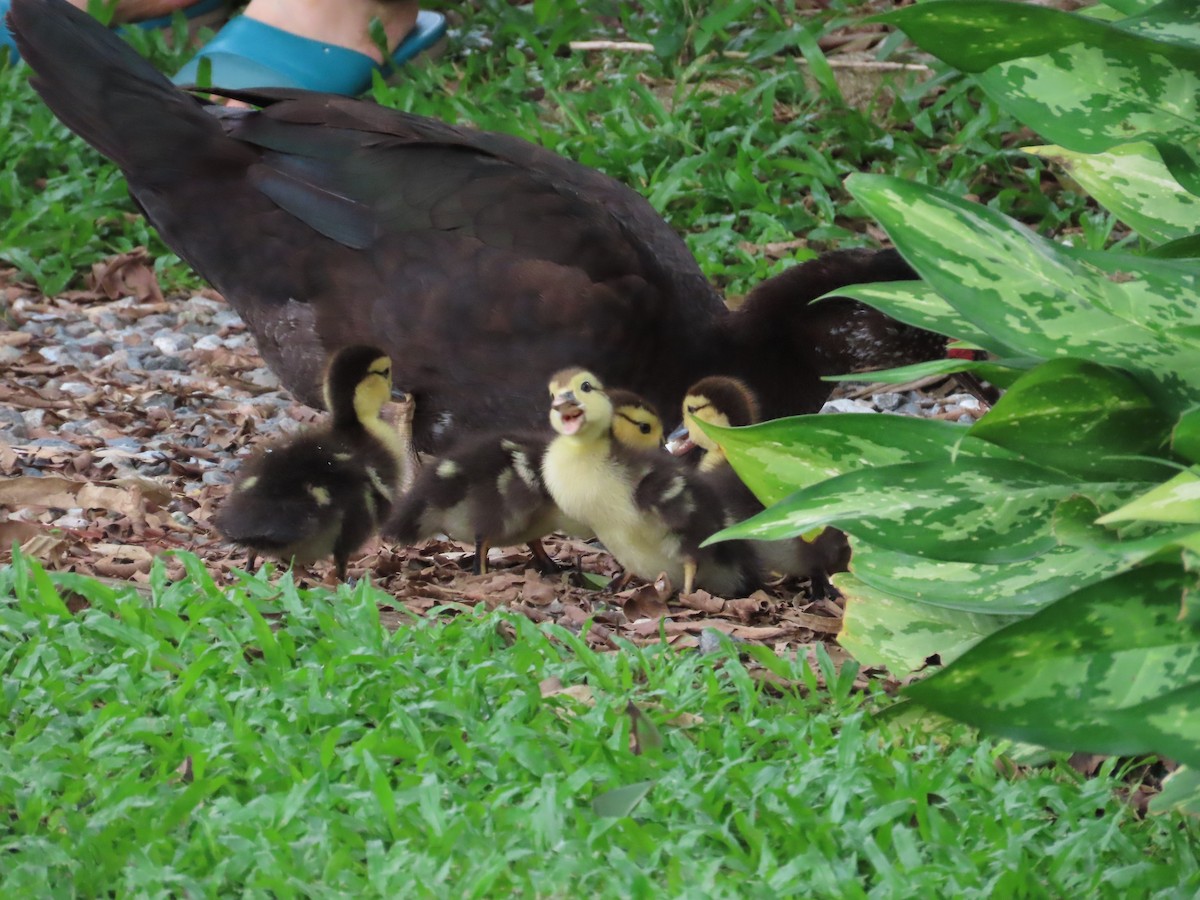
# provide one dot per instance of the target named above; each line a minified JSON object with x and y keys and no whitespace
{"x":127,"y":275}
{"x":648,"y":601}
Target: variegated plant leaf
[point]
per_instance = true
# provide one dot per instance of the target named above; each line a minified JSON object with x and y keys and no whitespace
{"x":1162,"y":295}
{"x":975,"y":35}
{"x":1174,"y":21}
{"x":1043,"y":299}
{"x":1184,"y":248}
{"x":1132,"y":182}
{"x":1083,"y":83}
{"x":968,"y":510}
{"x":915,"y":303}
{"x":776,"y":458}
{"x":1107,"y":669}
{"x":1016,"y":588}
{"x":1000,"y":372}
{"x":1080,"y":418}
{"x":1185,"y":438}
{"x":1177,"y":500}
{"x":881,"y":629}
{"x":1122,"y":7}
{"x":1180,"y":791}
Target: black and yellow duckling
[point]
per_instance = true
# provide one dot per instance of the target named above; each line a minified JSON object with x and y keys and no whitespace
{"x":489,"y":489}
{"x":646,"y":509}
{"x":728,"y":402}
{"x":325,"y":491}
{"x":327,"y":221}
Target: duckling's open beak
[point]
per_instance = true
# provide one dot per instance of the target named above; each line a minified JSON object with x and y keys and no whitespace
{"x":680,"y":442}
{"x":570,"y":412}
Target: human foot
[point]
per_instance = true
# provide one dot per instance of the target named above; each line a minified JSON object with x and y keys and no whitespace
{"x":316,"y":45}
{"x":139,"y":10}
{"x":345,"y":23}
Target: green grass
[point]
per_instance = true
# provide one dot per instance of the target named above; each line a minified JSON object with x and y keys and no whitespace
{"x":331,"y":757}
{"x":730,"y":150}
{"x":266,"y":741}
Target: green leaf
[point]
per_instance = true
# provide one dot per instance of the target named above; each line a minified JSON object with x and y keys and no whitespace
{"x":1132,"y":182}
{"x":1001,"y":373}
{"x":622,"y":801}
{"x":1080,"y":418}
{"x":1015,"y":588}
{"x":1043,"y":299}
{"x":978,"y":510}
{"x":1180,"y":791}
{"x":777,"y":457}
{"x":915,"y":303}
{"x":1083,"y":83}
{"x":881,"y":629}
{"x":1184,"y":248}
{"x":1177,"y":500}
{"x":1185,"y":438}
{"x":969,"y":510}
{"x":973,"y":35}
{"x":1108,"y":669}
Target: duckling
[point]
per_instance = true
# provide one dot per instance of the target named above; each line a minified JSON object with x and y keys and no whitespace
{"x":489,"y":489}
{"x":648,"y":511}
{"x":323,"y":492}
{"x":728,"y":402}
{"x":327,"y":221}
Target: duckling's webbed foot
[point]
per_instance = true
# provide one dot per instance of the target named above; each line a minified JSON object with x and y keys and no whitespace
{"x":542,"y":560}
{"x":821,"y":587}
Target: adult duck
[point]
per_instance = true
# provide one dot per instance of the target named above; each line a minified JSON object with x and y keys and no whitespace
{"x":478,"y":262}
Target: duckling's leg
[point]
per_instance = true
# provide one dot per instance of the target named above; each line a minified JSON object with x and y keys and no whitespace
{"x":340,"y":559}
{"x":820,"y":585}
{"x":619,"y":583}
{"x":689,"y":575}
{"x":481,"y":552}
{"x":544,"y":561}
{"x":410,"y":463}
{"x":251,"y":561}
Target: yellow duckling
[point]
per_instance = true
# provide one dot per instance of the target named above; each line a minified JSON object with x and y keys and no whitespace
{"x":324,"y":492}
{"x":649,"y":512}
{"x":489,"y":489}
{"x":728,"y":402}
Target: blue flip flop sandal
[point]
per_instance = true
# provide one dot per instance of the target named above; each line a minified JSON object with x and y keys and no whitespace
{"x":202,"y":12}
{"x":247,"y":53}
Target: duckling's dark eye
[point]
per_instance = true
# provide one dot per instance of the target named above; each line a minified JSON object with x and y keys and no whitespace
{"x":692,"y":410}
{"x":586,"y":387}
{"x":643,"y":427}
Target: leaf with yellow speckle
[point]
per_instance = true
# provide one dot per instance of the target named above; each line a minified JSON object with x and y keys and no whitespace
{"x":1107,"y":669}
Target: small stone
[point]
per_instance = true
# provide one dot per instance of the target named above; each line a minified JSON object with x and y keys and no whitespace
{"x":33,"y":418}
{"x":966,"y":419}
{"x":888,"y":400}
{"x":209,"y":342}
{"x":165,"y":364}
{"x":54,"y":355}
{"x":9,"y":355}
{"x":75,"y":388}
{"x":216,"y":476}
{"x":13,"y":421}
{"x":53,"y":444}
{"x":846,"y":405}
{"x":262,"y":377}
{"x":125,"y":443}
{"x":172,"y":344}
{"x":967,"y":401}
